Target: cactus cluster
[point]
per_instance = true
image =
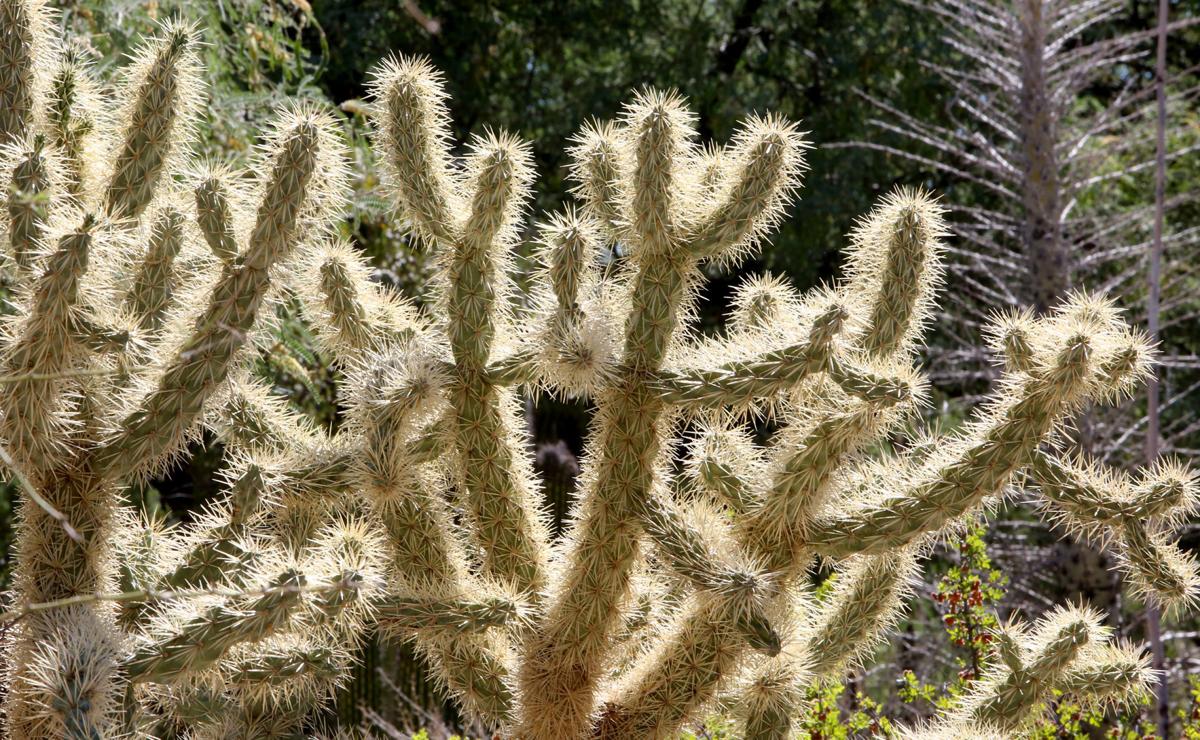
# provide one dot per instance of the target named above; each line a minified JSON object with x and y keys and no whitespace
{"x":683,"y":583}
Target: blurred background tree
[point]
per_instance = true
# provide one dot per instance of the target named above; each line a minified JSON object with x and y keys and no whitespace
{"x":543,"y":68}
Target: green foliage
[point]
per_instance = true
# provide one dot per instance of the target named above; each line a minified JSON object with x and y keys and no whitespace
{"x":1067,"y":719}
{"x":912,"y":690}
{"x":827,"y":718}
{"x":1189,"y":716}
{"x":968,"y":595}
{"x":424,"y":735}
{"x":714,"y":728}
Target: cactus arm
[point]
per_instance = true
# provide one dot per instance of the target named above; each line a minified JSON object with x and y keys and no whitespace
{"x":34,"y":427}
{"x":897,"y":265}
{"x":333,"y":606}
{"x":269,"y":687}
{"x":72,"y":120}
{"x":325,"y":472}
{"x":472,"y":666}
{"x":448,"y":616}
{"x":205,"y":639}
{"x":1129,"y":365}
{"x":516,"y":369}
{"x":67,"y":653}
{"x":727,"y":463}
{"x":28,"y":198}
{"x":430,"y":445}
{"x":712,"y":163}
{"x":413,"y":138}
{"x":142,"y":541}
{"x":1112,"y":674}
{"x":866,"y":599}
{"x":22,"y":47}
{"x":302,"y":462}
{"x":154,"y":429}
{"x":683,"y":547}
{"x":686,"y":671}
{"x":767,"y":154}
{"x":983,"y":470}
{"x":77,"y":655}
{"x":353,"y":314}
{"x":250,"y":418}
{"x":430,"y":563}
{"x":571,"y":250}
{"x":568,"y":655}
{"x":1160,"y":570}
{"x":741,"y":382}
{"x":738,"y":384}
{"x":660,"y":140}
{"x":476,"y":674}
{"x":162,"y":100}
{"x":575,"y":343}
{"x":101,"y":337}
{"x":762,"y":303}
{"x":282,"y":666}
{"x":773,"y":697}
{"x":212,"y":562}
{"x":568,"y":658}
{"x":780,"y":529}
{"x":772,"y":693}
{"x":1111,"y":506}
{"x":1010,"y":701}
{"x":347,"y":315}
{"x":881,"y":389}
{"x":214,"y":216}
{"x":595,"y":156}
{"x":1110,"y":497}
{"x":215,"y":557}
{"x":895,"y":262}
{"x":498,"y":490}
{"x":400,"y":392}
{"x":303,"y":468}
{"x":150,"y":295}
{"x":1011,"y":336}
{"x":427,"y":558}
{"x":720,"y":478}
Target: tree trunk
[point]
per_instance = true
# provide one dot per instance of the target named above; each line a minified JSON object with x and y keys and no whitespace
{"x":1153,"y":631}
{"x":1049,"y":261}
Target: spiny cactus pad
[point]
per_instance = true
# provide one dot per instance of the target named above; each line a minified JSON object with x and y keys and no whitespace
{"x":683,"y":583}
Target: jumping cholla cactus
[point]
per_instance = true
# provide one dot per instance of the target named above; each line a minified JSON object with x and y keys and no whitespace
{"x":682,"y":584}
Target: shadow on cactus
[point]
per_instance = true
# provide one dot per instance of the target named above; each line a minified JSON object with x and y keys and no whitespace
{"x":147,"y":278}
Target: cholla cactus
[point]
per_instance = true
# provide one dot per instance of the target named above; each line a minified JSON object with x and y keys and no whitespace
{"x":678,"y":587}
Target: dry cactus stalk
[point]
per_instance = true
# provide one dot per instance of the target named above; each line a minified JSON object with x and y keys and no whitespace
{"x":145,"y":278}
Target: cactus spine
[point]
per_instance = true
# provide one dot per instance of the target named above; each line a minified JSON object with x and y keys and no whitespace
{"x":145,"y":278}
